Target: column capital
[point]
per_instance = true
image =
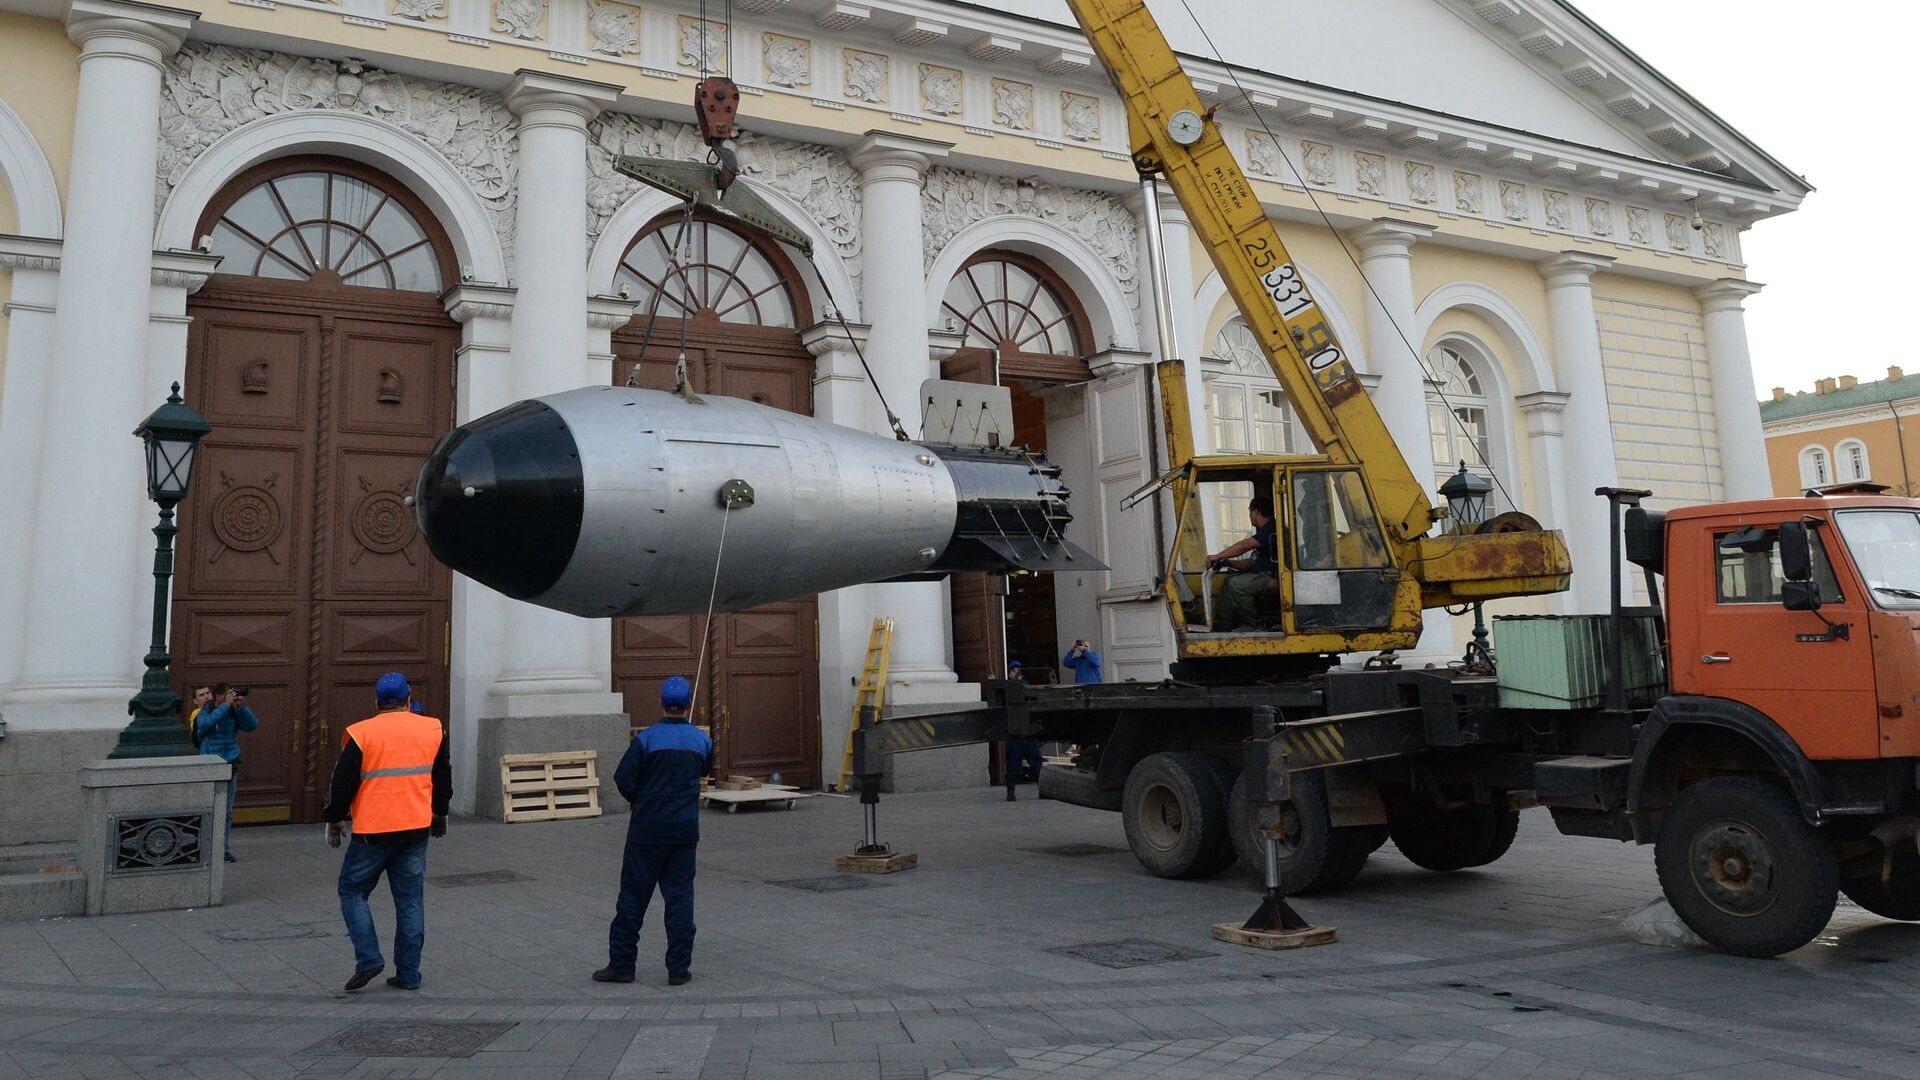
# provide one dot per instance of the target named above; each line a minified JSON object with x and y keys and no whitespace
{"x":145,"y":32}
{"x":1572,"y":268}
{"x":187,"y":270}
{"x":1542,"y":401}
{"x":467,"y":302}
{"x":826,"y":337}
{"x":542,"y":100}
{"x":610,"y":312}
{"x":1388,"y":237}
{"x":1727,"y":294}
{"x":29,"y":253}
{"x":883,"y":155}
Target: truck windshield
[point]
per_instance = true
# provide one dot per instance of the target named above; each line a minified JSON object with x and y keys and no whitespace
{"x":1886,"y":546}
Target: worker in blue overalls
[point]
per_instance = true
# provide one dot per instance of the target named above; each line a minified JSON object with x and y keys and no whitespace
{"x":660,"y":775}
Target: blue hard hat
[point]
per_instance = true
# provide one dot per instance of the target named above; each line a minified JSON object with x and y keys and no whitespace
{"x":675,"y":693}
{"x":1013,"y":663}
{"x":392,"y":689}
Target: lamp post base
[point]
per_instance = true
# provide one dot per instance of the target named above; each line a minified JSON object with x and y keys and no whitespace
{"x":153,"y":833}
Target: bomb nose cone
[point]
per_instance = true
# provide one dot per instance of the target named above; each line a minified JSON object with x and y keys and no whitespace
{"x":500,"y":499}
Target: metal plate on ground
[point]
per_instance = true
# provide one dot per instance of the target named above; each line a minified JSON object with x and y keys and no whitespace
{"x":478,"y":877}
{"x":275,"y":933}
{"x":1128,"y":952}
{"x":1076,"y":849}
{"x":836,"y":883}
{"x":422,"y":1039}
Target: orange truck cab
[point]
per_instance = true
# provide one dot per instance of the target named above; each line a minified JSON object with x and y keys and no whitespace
{"x":1780,"y":766}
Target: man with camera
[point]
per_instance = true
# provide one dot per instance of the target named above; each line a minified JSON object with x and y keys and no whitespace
{"x":1084,"y":662}
{"x":217,"y":726}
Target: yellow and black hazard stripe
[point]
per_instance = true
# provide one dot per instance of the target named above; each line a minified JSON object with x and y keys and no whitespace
{"x":911,"y":735}
{"x":1314,"y":744}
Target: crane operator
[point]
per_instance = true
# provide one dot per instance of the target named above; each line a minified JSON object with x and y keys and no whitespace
{"x":1255,"y":560}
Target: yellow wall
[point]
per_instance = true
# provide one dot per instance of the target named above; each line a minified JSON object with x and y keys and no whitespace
{"x":1659,"y":389}
{"x":1884,"y":443}
{"x":39,"y":80}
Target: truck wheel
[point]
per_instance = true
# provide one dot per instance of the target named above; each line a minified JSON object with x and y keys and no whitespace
{"x":1743,"y":868}
{"x":1314,"y":856}
{"x":1227,"y":776}
{"x":1447,"y":840}
{"x":1896,"y":898}
{"x":1174,"y":809}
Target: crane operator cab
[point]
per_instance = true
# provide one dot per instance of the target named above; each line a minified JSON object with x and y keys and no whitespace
{"x":1326,"y":572}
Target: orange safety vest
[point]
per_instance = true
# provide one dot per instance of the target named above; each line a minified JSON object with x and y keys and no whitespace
{"x":397,"y":750}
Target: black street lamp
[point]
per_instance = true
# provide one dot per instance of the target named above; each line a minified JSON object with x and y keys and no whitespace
{"x":172,"y":433}
{"x":1466,"y":496}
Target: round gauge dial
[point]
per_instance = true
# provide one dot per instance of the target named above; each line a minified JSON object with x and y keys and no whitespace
{"x":1186,"y":127}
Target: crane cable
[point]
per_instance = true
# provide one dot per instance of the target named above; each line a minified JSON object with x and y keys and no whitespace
{"x":1400,"y":331}
{"x":706,"y":631}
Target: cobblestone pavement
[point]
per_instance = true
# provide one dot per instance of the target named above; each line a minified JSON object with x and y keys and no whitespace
{"x":1027,"y":944}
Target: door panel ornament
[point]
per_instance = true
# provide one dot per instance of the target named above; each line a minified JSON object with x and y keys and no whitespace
{"x":253,"y":378}
{"x":382,"y":523}
{"x":246,"y":517}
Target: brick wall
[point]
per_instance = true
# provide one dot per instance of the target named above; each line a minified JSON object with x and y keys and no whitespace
{"x":1660,"y":396}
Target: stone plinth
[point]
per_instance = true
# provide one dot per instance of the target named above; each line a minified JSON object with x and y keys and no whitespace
{"x":936,"y":770}
{"x":151,"y":833}
{"x":606,"y":733}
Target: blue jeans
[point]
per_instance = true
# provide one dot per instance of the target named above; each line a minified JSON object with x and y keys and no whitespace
{"x":406,"y":868}
{"x":670,"y":866}
{"x":1024,"y":759}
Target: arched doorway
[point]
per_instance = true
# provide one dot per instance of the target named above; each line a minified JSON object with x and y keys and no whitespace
{"x":324,"y":360}
{"x":1022,"y":327}
{"x":734,"y":300}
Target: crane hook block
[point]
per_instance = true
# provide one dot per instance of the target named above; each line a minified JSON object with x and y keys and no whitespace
{"x":715,"y":101}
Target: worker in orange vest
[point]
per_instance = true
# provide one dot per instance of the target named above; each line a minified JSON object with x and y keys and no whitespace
{"x":394,"y":780}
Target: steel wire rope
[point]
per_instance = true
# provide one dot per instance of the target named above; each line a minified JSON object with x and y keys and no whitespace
{"x":893,"y":419}
{"x":653,"y":309}
{"x":706,"y":631}
{"x":1327,"y":220}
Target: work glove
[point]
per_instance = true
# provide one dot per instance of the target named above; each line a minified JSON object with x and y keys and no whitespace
{"x":336,"y":831}
{"x":439,"y":825}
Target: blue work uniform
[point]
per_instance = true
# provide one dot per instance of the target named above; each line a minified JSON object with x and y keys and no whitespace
{"x":660,"y":775}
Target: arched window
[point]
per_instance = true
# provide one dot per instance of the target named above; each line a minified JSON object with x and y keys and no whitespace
{"x":1017,"y":308}
{"x":1850,"y":461}
{"x":1247,"y":413}
{"x":1457,"y":414}
{"x":1816,"y":469}
{"x":718,"y":274}
{"x":325,"y":222}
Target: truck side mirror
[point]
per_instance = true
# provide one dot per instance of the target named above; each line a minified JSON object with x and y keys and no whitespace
{"x":1796,"y":556}
{"x":1800,"y":595}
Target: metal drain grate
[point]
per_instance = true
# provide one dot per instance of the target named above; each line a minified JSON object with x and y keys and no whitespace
{"x":478,"y":877}
{"x":1076,"y":849}
{"x":425,"y":1039}
{"x":1127,"y":953}
{"x":837,"y":883}
{"x":273,"y":933}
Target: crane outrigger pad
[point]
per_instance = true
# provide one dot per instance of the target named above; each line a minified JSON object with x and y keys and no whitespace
{"x":699,"y":184}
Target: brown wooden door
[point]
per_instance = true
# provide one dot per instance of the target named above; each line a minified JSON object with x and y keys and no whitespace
{"x":760,"y":688}
{"x":302,"y":572}
{"x":979,"y":604}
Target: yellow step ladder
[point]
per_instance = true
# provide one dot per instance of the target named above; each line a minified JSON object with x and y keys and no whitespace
{"x":873,"y":687}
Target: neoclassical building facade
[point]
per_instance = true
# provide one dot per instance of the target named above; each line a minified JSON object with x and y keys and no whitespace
{"x":346,"y":225}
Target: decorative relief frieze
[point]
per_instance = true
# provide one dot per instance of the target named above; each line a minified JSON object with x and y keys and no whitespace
{"x":814,"y":177}
{"x":1599,"y":217}
{"x":1422,"y":188}
{"x":1080,"y":117}
{"x":702,"y":46}
{"x":1513,"y":201}
{"x":866,"y":76}
{"x":1677,"y":233}
{"x":939,"y":90}
{"x":209,"y":90}
{"x":1557,"y":214}
{"x":1639,"y":225}
{"x":953,"y":200}
{"x":1263,"y":154}
{"x":1013,"y":104}
{"x":1370,"y":174}
{"x":1467,"y":196}
{"x":614,"y":27}
{"x":423,"y":10}
{"x":1318,"y":158}
{"x":1713,"y":241}
{"x":788,"y":61}
{"x":522,"y":19}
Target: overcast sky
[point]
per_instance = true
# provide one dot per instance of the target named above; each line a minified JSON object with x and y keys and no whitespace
{"x":1827,"y":89}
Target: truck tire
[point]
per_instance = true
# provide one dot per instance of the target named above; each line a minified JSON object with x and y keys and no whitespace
{"x":1077,"y":787}
{"x":1448,"y":840}
{"x":1174,"y":810}
{"x":1896,"y":898}
{"x":1227,"y":776}
{"x":1314,"y":856}
{"x":1743,"y":868}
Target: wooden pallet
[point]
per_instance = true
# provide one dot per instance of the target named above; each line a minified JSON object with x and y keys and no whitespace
{"x":760,"y":795}
{"x":550,"y":787}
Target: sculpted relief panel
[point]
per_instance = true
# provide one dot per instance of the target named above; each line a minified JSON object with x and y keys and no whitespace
{"x":209,"y":90}
{"x":953,"y":200}
{"x":816,"y":178}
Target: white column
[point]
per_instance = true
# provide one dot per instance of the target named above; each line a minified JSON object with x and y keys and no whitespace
{"x":893,"y":170}
{"x":1386,"y":260}
{"x":1176,"y":232}
{"x":90,"y":554}
{"x":1588,"y":424}
{"x":1544,"y":411}
{"x":28,"y":378}
{"x":1743,"y":451}
{"x":552,"y":663}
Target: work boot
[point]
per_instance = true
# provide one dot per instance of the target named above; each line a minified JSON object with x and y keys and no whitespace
{"x":396,"y":982}
{"x":681,"y":979}
{"x":608,"y":974}
{"x":362,"y":978}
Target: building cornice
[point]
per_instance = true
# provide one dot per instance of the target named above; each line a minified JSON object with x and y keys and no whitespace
{"x":28,"y":253}
{"x":1859,"y":414}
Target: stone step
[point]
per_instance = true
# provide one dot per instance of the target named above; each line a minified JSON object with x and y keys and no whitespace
{"x":27,"y":858}
{"x":38,"y":895}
